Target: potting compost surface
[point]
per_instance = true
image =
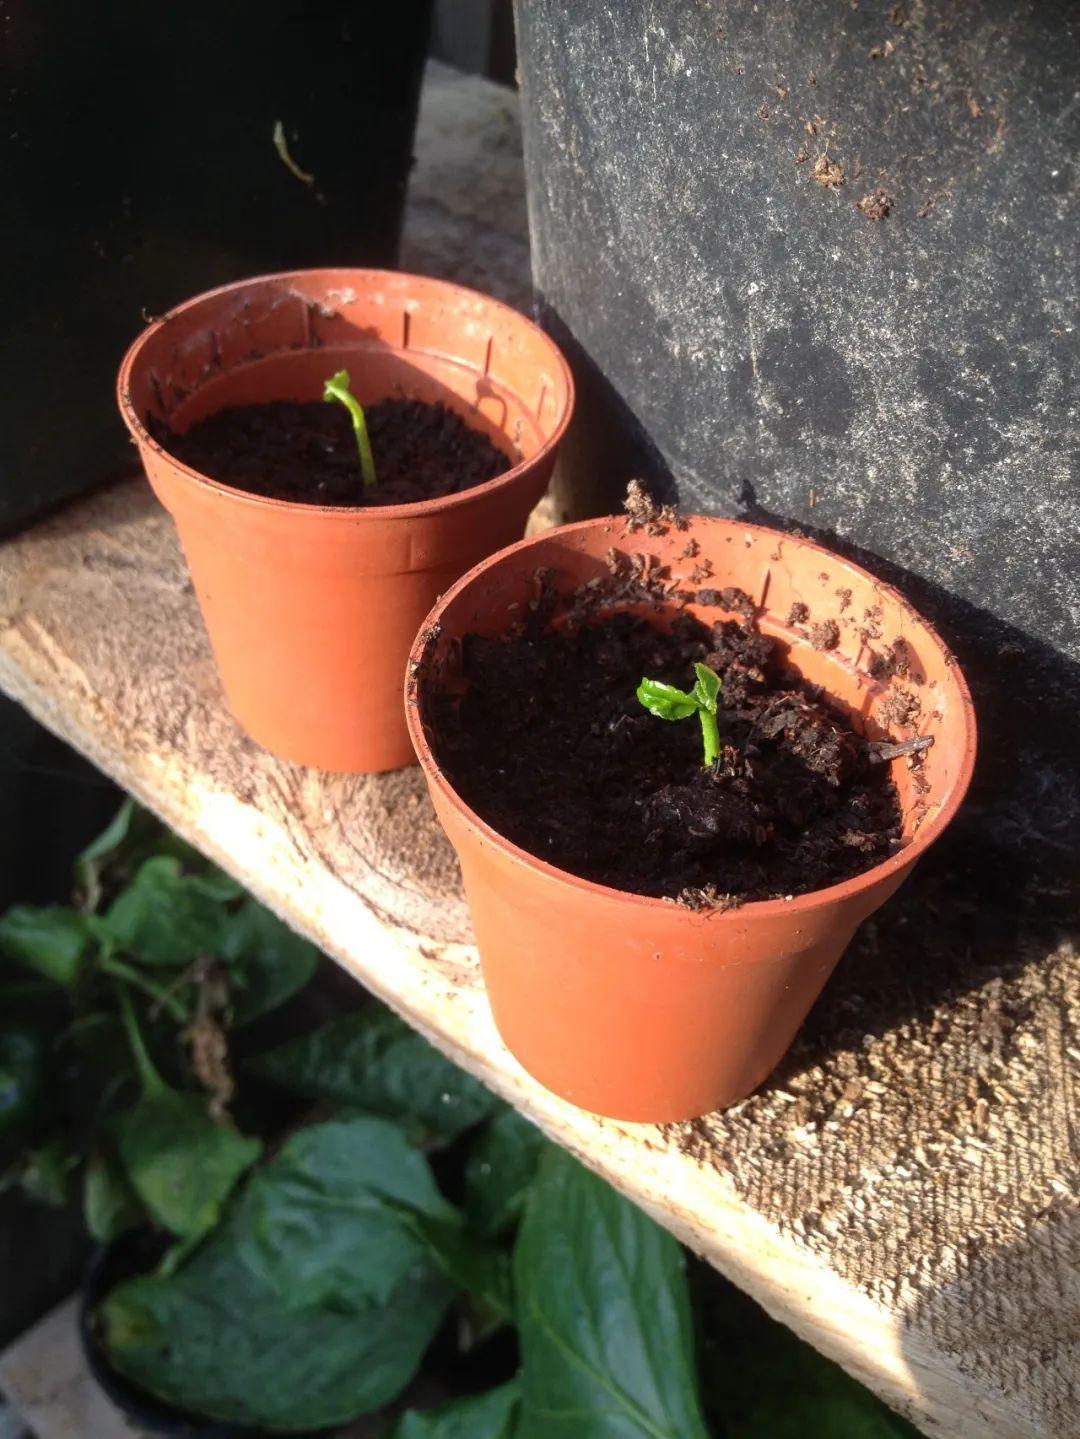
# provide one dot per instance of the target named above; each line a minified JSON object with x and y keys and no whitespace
{"x":550,"y":745}
{"x":306,"y":452}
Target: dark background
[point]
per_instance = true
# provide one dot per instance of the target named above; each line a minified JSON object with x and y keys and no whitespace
{"x":138,"y":168}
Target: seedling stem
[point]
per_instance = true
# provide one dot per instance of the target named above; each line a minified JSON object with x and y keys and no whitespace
{"x":669,"y":703}
{"x":337,"y":388}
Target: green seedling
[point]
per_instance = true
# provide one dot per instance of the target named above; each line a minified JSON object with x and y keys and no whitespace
{"x":337,"y":388}
{"x":669,"y":703}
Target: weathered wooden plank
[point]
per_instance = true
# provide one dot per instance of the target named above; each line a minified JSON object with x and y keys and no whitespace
{"x":100,"y":638}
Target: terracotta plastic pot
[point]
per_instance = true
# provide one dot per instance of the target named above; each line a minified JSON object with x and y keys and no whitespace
{"x":310,"y":609}
{"x":635,"y":1007}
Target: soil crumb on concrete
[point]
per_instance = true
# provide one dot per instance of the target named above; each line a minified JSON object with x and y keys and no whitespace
{"x":828,"y":174}
{"x":874,"y":206}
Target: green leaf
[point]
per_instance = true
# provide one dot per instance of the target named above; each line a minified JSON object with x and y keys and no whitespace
{"x":482,"y":1416}
{"x":213,"y":883}
{"x":215,"y":1338}
{"x":166,"y":917}
{"x":665,"y":701}
{"x":132,"y":836}
{"x":181,"y":1163}
{"x":22,"y":1075}
{"x":849,"y":1412}
{"x":742,"y":1352}
{"x":707,"y":688}
{"x":268,"y":962}
{"x":337,"y":388}
{"x":110,"y":1205}
{"x":330,"y":1219}
{"x":604,"y":1314}
{"x":53,"y":942}
{"x":374,"y":1061}
{"x":501,"y":1167}
{"x":669,"y":703}
{"x":47,"y":1173}
{"x":100,"y":852}
{"x":481,"y":1270}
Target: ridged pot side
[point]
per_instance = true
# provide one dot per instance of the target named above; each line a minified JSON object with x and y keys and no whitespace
{"x":311,"y":610}
{"x":639,"y":1008}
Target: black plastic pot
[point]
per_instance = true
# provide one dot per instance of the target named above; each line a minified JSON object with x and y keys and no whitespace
{"x":140,"y":167}
{"x":42,"y":1251}
{"x":815,"y":265}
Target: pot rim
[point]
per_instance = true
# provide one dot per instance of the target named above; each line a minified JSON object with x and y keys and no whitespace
{"x":361,"y":277}
{"x":815,"y":899}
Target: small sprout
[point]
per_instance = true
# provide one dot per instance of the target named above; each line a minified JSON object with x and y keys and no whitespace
{"x":669,"y":703}
{"x":337,"y":388}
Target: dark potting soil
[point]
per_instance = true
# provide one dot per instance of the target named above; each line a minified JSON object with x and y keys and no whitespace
{"x":551,"y":747}
{"x":306,"y":452}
